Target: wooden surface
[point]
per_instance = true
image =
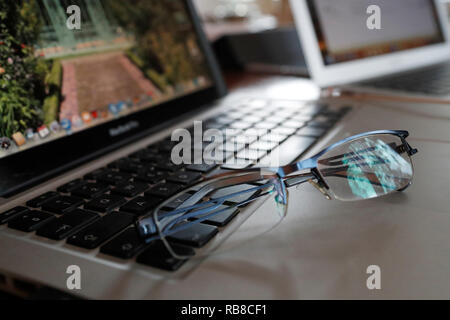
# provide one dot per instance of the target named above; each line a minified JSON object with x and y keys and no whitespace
{"x":236,"y":79}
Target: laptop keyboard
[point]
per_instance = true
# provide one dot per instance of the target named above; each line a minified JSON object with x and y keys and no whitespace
{"x":433,"y":80}
{"x":99,"y":209}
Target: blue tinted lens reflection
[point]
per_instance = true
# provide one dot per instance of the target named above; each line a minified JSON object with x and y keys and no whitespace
{"x":374,"y":164}
{"x":367,"y":168}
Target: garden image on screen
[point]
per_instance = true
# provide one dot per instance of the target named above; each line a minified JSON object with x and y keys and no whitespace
{"x":57,"y":79}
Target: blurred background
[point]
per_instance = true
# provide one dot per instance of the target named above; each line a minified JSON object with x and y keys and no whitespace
{"x":255,"y":35}
{"x":233,"y":16}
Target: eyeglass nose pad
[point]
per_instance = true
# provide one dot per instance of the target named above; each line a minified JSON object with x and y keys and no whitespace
{"x":320,"y":188}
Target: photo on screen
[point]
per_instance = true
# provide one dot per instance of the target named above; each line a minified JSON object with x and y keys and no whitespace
{"x":343,"y":35}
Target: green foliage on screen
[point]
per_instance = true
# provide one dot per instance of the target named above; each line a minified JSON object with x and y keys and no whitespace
{"x":22,"y":75}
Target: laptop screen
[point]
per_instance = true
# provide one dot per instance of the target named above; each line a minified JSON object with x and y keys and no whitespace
{"x":345,"y":33}
{"x":70,"y":65}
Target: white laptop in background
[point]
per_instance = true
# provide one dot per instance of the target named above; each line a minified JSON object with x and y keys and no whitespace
{"x":409,"y":54}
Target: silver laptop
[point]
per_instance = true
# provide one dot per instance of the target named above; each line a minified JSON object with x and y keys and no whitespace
{"x":391,"y":47}
{"x":94,"y":93}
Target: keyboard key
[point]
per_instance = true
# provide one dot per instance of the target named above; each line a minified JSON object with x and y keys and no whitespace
{"x":266,"y":125}
{"x":105,"y":203}
{"x":203,"y":168}
{"x":177,"y":202}
{"x":164,"y":190}
{"x":236,"y":189}
{"x":11,"y":214}
{"x":311,"y":132}
{"x":232,"y":133}
{"x":101,"y":230}
{"x":141,"y":205}
{"x":263,"y":145}
{"x":157,"y":256}
{"x":132,"y":167}
{"x":249,"y":154}
{"x":244,"y":139}
{"x":211,"y":124}
{"x":39,"y":201}
{"x":72,"y":185}
{"x":196,"y":236}
{"x":302,"y":118}
{"x":287,"y":152}
{"x":284,"y":131}
{"x":130,"y":189}
{"x":223,"y":119}
{"x":202,"y":146}
{"x":273,"y":137}
{"x":230,"y":146}
{"x":221,"y":219}
{"x":114,"y":178}
{"x":125,"y":246}
{"x":253,"y":118}
{"x":90,"y":190}
{"x":236,"y":114}
{"x":241,"y":125}
{"x":129,"y":166}
{"x":217,"y":157}
{"x":62,"y":204}
{"x":258,"y":133}
{"x":257,"y":103}
{"x":168,"y":165}
{"x":184,"y":177}
{"x":30,"y":221}
{"x":152,"y":176}
{"x":265,"y":112}
{"x":275,"y":119}
{"x":67,"y":225}
{"x":293,"y":124}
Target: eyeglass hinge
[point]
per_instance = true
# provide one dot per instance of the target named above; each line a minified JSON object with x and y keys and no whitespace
{"x":319,"y":187}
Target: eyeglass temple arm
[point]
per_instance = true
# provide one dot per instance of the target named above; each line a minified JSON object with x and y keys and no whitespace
{"x":146,"y":225}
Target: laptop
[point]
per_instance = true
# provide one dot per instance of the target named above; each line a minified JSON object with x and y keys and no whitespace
{"x":270,"y":51}
{"x":99,"y":88}
{"x":385,"y":47}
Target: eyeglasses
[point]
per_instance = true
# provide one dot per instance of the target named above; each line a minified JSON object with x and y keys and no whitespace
{"x":365,"y":166}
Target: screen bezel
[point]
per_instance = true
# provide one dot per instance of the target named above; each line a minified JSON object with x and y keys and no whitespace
{"x":372,"y":67}
{"x":28,"y":168}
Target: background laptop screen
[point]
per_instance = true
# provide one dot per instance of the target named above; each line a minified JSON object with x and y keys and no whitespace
{"x":341,"y":27}
{"x":60,"y":74}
